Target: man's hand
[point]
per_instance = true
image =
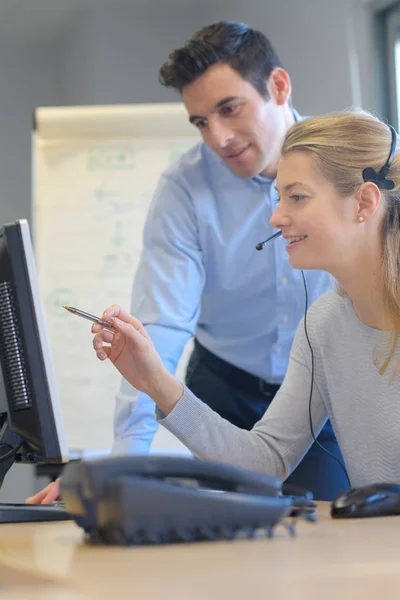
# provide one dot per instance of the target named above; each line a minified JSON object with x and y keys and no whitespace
{"x":47,"y":495}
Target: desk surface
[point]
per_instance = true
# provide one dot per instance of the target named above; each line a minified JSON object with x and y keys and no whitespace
{"x":326,"y":560}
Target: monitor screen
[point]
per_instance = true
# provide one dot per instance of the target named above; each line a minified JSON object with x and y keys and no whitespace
{"x":33,"y":415}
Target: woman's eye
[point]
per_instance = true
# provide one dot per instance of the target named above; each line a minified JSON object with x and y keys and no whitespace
{"x":297,"y":197}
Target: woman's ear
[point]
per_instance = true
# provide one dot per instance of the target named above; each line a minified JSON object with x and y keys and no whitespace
{"x":368,"y":197}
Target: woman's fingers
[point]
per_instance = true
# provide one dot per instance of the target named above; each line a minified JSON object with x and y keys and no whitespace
{"x":104,"y":334}
{"x":119,"y":316}
{"x":102,"y":351}
{"x":139,"y":327}
{"x":126,"y":325}
{"x":116,"y":311}
{"x":133,"y":330}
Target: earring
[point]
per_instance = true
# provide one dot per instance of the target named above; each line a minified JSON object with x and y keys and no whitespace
{"x":361,"y":219}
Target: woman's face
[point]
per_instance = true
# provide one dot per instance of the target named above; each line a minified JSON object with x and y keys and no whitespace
{"x":320,"y":226}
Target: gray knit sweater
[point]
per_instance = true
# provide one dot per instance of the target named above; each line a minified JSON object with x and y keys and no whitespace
{"x":364,"y":407}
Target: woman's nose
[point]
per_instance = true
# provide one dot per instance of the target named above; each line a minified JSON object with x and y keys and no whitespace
{"x":279,"y":220}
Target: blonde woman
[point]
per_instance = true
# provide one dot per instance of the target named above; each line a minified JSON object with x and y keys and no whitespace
{"x":339,"y":210}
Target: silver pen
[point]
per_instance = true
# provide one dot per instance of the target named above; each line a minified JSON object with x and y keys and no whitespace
{"x":89,"y":317}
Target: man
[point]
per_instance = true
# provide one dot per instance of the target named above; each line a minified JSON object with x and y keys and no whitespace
{"x":199,"y":272}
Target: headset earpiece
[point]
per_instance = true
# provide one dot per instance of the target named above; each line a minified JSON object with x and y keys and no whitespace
{"x":369,"y":174}
{"x":379,"y":177}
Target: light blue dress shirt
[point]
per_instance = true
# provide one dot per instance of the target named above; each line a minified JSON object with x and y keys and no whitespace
{"x":200,"y":274}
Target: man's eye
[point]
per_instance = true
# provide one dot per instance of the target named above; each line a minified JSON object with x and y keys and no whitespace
{"x":297,"y":197}
{"x":200,"y":124}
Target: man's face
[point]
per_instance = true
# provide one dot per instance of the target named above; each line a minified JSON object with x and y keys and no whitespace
{"x":236,"y":122}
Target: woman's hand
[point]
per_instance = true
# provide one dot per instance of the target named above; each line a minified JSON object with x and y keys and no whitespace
{"x":132,"y":352}
{"x":47,"y":495}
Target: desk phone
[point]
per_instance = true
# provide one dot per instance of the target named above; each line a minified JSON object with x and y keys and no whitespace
{"x":159,"y":499}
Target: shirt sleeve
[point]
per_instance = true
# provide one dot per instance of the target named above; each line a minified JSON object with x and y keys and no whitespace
{"x":277,"y":443}
{"x":166,"y":298}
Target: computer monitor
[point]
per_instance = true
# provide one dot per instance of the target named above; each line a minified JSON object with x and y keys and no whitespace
{"x":31,"y":429}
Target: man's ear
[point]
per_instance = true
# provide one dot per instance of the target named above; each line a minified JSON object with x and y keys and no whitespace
{"x":368,"y":197}
{"x":279,"y":85}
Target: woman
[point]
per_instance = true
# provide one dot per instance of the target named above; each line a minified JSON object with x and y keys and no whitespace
{"x":337,"y":213}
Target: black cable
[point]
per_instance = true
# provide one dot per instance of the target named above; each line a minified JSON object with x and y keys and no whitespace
{"x":10,"y":453}
{"x":312,"y":386}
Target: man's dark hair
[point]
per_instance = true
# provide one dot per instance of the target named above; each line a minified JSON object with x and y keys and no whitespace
{"x":245,"y":50}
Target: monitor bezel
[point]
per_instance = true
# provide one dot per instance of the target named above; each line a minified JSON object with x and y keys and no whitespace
{"x":53,"y":446}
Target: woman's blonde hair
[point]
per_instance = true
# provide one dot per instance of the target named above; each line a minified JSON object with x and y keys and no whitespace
{"x":343,"y":145}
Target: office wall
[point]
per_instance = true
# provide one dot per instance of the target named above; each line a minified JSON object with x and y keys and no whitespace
{"x":114,"y":56}
{"x":28,"y":77}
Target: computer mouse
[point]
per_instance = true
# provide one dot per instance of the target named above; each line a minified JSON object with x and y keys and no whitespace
{"x":375,"y":500}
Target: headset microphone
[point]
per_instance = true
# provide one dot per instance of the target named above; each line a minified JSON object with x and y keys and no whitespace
{"x":261,"y":245}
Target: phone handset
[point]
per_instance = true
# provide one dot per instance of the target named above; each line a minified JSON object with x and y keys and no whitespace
{"x":207,"y":474}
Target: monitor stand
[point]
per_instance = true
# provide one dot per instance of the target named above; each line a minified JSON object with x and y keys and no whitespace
{"x":10,"y":444}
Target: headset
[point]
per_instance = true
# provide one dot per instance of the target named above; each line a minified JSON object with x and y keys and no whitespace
{"x":380,"y":180}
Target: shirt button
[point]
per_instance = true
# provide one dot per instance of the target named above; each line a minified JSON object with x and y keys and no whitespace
{"x":285,"y":318}
{"x":284,"y":281}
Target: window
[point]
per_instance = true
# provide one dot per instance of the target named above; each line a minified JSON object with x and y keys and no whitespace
{"x":388,"y":28}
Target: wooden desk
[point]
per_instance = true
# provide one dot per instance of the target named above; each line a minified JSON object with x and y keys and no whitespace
{"x":327,"y":560}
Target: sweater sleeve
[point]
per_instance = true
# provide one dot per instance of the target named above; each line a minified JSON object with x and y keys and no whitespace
{"x":277,"y":443}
